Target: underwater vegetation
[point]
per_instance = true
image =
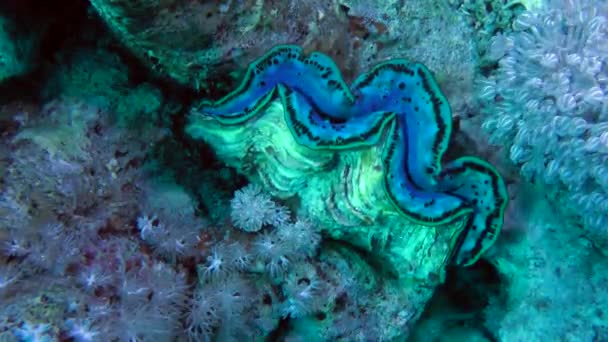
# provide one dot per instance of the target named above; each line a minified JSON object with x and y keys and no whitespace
{"x":324,"y":170}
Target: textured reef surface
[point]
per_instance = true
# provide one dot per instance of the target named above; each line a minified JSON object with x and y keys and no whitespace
{"x":393,"y":120}
{"x":193,"y":170}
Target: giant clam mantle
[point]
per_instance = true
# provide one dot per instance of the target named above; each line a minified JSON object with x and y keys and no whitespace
{"x":365,"y":161}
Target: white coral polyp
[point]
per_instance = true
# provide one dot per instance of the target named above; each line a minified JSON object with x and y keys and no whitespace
{"x":553,"y":83}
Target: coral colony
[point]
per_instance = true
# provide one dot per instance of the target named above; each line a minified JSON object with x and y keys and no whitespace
{"x":319,"y":170}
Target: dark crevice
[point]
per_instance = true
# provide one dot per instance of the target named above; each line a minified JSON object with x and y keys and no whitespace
{"x":461,"y":300}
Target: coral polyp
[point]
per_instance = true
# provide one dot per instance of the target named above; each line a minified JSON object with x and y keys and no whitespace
{"x":367,"y":161}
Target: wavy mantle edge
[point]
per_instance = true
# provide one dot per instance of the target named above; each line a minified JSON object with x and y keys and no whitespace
{"x":398,"y":106}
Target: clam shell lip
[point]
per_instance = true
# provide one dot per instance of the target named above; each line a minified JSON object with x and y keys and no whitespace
{"x":398,"y":105}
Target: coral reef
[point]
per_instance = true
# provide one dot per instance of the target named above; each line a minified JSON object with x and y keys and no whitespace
{"x":147,"y":195}
{"x":102,"y":78}
{"x":70,"y":194}
{"x":17,"y":48}
{"x":488,"y":19}
{"x":97,"y":242}
{"x":208,"y":45}
{"x":553,"y":280}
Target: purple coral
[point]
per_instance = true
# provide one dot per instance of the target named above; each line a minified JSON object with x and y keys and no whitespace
{"x":70,"y":207}
{"x":218,"y":310}
{"x":171,"y":236}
